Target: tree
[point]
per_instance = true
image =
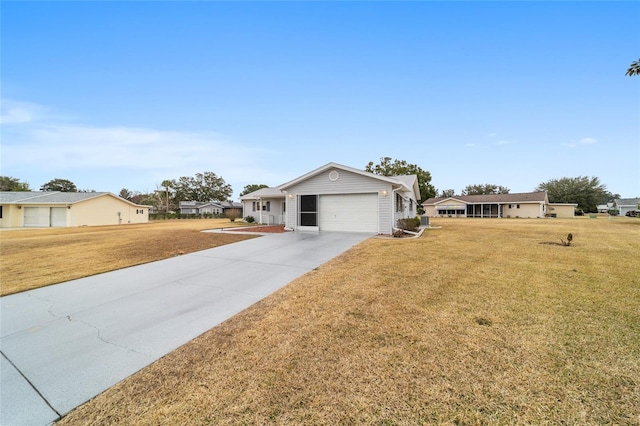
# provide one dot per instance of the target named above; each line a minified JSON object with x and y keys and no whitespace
{"x":62,"y":185}
{"x":125,"y":193}
{"x":447,"y":193}
{"x":485,"y":189}
{"x":401,"y":167}
{"x":202,"y":187}
{"x":248,"y":189}
{"x":168,"y":184}
{"x":584,"y":191}
{"x":12,"y":184}
{"x":634,"y":68}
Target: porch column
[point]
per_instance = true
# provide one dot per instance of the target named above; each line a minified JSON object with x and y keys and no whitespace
{"x":260,"y":208}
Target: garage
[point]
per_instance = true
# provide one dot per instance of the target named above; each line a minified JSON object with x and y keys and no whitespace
{"x":45,"y":216}
{"x":344,"y":199}
{"x":36,"y":216}
{"x":349,"y":212}
{"x":58,"y":216}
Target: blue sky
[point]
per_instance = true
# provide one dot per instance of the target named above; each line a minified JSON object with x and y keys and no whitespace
{"x":114,"y":95}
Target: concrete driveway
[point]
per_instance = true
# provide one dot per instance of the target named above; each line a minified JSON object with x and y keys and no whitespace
{"x":64,"y":344}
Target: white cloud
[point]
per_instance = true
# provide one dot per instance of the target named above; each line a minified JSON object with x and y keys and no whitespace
{"x":587,"y":141}
{"x":503,"y":142}
{"x":13,"y":112}
{"x":35,"y":148}
{"x":583,"y":141}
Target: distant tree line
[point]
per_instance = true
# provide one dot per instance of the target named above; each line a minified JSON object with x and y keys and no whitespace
{"x":8,"y":183}
{"x":586,"y":192}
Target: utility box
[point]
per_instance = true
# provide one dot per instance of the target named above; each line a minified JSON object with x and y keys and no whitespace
{"x":424,"y":220}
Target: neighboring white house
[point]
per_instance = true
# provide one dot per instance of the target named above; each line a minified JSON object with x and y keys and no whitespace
{"x":624,"y":205}
{"x":604,"y":208}
{"x":196,"y":207}
{"x":526,"y":205}
{"x":266,"y":205}
{"x":60,"y":209}
{"x":340,"y":198}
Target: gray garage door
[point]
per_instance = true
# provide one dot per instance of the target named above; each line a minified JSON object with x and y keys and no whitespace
{"x":349,"y":213}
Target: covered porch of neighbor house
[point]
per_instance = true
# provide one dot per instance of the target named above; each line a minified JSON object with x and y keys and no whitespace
{"x":482,"y":210}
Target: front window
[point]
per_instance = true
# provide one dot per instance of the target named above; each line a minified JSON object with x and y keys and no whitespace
{"x":399,"y":203}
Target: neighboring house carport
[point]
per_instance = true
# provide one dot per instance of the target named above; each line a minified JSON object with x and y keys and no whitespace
{"x":62,"y":209}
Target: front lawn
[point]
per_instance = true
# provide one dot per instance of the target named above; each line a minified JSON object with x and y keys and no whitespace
{"x":478,"y":322}
{"x":37,"y":257}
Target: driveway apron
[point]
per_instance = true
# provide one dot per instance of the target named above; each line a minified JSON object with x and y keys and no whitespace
{"x":64,"y":344}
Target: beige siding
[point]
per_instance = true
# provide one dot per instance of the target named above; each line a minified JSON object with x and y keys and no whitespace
{"x":525,"y":210}
{"x":430,"y":211}
{"x":12,"y":217}
{"x":561,"y":210}
{"x":104,"y":211}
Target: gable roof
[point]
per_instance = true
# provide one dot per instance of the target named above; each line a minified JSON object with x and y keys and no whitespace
{"x":332,"y":166}
{"x":523,"y":197}
{"x":263,"y":193}
{"x":54,"y":197}
{"x":409,"y":182}
{"x":627,"y":201}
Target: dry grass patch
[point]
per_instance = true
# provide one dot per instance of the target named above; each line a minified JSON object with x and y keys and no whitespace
{"x":474,"y":323}
{"x":33,"y":258}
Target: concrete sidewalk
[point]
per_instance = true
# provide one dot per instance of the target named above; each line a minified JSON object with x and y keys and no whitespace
{"x":64,"y":344}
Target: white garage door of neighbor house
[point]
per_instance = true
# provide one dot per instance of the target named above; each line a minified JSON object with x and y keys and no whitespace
{"x":36,"y":216}
{"x":349,"y":212}
{"x":58,"y":216}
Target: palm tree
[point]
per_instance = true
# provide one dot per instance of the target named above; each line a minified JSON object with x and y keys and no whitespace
{"x":634,"y":68}
{"x":167,"y":184}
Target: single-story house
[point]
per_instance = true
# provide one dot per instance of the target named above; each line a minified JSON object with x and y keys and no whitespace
{"x":231,"y":207}
{"x":340,"y":198}
{"x":605,"y":208}
{"x":211,"y":207}
{"x":64,"y":209}
{"x":624,"y":205}
{"x":196,"y":207}
{"x":526,"y":205}
{"x":266,"y":205}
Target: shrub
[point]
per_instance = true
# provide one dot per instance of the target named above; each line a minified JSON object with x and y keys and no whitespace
{"x":409,"y":224}
{"x":398,"y":234}
{"x":232,"y":215}
{"x":250,"y":219}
